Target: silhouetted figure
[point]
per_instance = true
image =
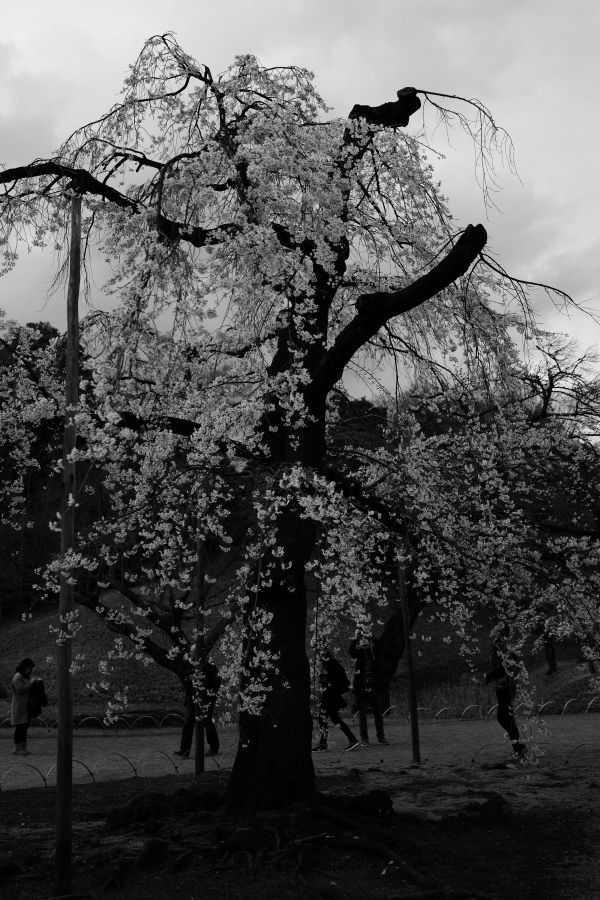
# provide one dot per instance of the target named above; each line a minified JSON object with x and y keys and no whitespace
{"x":212,"y":682}
{"x":505,"y":694}
{"x":363,"y":650}
{"x":20,"y":712}
{"x":334,"y":684}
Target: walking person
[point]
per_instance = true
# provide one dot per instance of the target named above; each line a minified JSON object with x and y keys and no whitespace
{"x":20,"y":716}
{"x":212,"y":682}
{"x":363,"y":650}
{"x":505,"y":694}
{"x":334,"y":684}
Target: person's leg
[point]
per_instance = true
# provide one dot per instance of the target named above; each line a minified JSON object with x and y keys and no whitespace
{"x":352,"y":739}
{"x":513,"y":731}
{"x":507,"y":721}
{"x":334,"y":715}
{"x":503,"y":715}
{"x":20,"y":737}
{"x":363,"y":704}
{"x":187,"y":730}
{"x":212,"y":738}
{"x":375,"y":702}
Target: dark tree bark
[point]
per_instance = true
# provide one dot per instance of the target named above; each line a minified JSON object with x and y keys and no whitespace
{"x":273,"y":765}
{"x":393,"y":115}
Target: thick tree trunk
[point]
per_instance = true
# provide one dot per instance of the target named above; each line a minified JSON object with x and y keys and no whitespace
{"x":273,"y":765}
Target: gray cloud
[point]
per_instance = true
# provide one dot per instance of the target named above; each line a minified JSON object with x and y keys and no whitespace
{"x":535,"y":66}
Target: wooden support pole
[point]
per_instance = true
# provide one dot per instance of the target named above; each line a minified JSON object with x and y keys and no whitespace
{"x":200,"y":657}
{"x":412,"y":691}
{"x":64,"y":757}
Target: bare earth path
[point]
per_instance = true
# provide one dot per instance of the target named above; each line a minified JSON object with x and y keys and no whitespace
{"x":572,"y":744}
{"x":524,"y":832}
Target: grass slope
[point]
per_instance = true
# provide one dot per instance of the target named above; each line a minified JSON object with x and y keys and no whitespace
{"x":149,"y":687}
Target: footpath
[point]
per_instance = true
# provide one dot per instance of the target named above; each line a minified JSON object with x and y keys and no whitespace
{"x":108,"y":755}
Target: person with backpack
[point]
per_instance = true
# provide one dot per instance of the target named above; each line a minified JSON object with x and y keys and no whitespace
{"x":334,"y":684}
{"x":212,"y":683}
{"x":22,"y":687}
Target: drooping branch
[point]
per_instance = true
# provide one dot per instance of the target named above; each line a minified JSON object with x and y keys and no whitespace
{"x":79,"y":180}
{"x":519,"y":285}
{"x":375,"y":309}
{"x":85,"y":183}
{"x":487,"y":137}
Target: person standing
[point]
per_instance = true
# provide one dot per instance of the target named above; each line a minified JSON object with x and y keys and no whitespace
{"x":334,"y":684}
{"x":505,"y":694}
{"x":212,"y":682}
{"x":19,"y":711}
{"x":363,"y":649}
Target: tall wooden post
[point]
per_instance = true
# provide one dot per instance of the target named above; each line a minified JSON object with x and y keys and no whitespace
{"x":200,"y":658}
{"x":412,"y":691}
{"x":64,"y":757}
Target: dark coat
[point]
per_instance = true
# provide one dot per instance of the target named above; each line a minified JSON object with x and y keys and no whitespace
{"x":505,"y":685}
{"x":334,"y":682}
{"x":212,"y":683}
{"x":366,"y":671}
{"x":37,"y":699}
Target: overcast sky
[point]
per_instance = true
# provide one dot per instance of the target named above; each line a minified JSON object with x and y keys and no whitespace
{"x":534,"y":63}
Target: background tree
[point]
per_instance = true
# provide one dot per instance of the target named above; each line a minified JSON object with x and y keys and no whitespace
{"x":261,"y":251}
{"x":31,"y":372}
{"x":499,"y":502}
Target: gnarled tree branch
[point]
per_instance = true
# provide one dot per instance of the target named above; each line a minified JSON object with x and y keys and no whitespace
{"x":375,"y":309}
{"x":391,"y":115}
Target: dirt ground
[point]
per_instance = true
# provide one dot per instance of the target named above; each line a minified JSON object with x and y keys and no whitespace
{"x":463,"y":824}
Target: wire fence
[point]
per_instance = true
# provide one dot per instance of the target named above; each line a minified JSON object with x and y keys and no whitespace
{"x":476,"y":711}
{"x":97,"y":770}
{"x":473,"y":710}
{"x":145,"y":720}
{"x":115,"y":765}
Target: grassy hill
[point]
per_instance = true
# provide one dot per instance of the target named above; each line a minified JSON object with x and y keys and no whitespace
{"x":150,"y":687}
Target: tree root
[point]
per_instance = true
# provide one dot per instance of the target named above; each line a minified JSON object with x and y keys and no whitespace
{"x":438,"y":894}
{"x":326,"y":812}
{"x":388,"y":854}
{"x":278,"y":837}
